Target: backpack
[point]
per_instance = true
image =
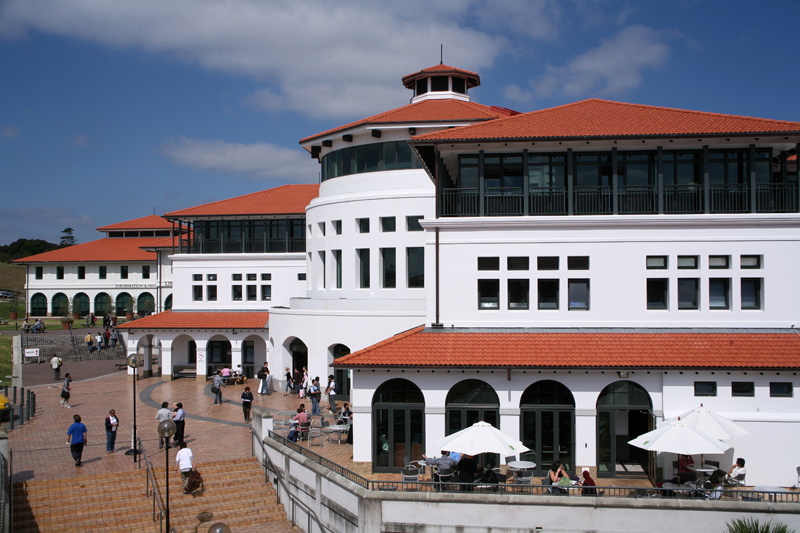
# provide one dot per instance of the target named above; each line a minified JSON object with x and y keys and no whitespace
{"x":260,"y":374}
{"x":337,"y":388}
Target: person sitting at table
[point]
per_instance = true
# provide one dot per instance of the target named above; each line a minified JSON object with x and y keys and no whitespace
{"x":556,"y":473}
{"x":344,"y":415}
{"x":467,"y":471}
{"x":736,"y":470}
{"x":685,"y":472}
{"x":241,"y":378}
{"x":456,"y":457}
{"x":445,"y":461}
{"x":588,"y":484}
{"x":226,"y":373}
{"x":300,"y":418}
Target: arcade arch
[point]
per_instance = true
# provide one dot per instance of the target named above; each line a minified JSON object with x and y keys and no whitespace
{"x":59,"y":304}
{"x":80,"y":304}
{"x":102,"y":304}
{"x":340,"y":375}
{"x":38,"y":304}
{"x":624,"y":411}
{"x":398,"y":414}
{"x":547,"y":425}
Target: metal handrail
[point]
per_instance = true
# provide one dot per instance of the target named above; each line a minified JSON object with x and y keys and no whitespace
{"x":151,"y":480}
{"x":269,"y":465}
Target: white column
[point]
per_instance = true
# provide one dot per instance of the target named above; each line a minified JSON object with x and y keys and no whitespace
{"x":166,"y":359}
{"x":236,"y":352}
{"x":509,"y":424}
{"x":202,"y":358}
{"x":434,"y":430}
{"x":131,"y":348}
{"x":585,"y":439}
{"x":362,"y":433}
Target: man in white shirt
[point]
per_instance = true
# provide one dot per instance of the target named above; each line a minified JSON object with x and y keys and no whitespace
{"x":162,"y":415}
{"x":55,"y":364}
{"x":736,"y":470}
{"x":184,"y":464}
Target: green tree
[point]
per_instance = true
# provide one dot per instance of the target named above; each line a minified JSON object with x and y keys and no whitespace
{"x":67,"y":237}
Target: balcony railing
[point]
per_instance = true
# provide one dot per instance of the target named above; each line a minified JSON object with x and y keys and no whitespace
{"x":246,"y":246}
{"x":677,"y":199}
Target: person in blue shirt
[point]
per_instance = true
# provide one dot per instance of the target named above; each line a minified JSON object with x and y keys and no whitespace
{"x":77,"y":439}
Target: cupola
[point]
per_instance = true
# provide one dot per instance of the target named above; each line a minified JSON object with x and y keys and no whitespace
{"x":441,"y":82}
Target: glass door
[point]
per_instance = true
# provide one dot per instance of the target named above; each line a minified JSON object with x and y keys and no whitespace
{"x":399,"y":433}
{"x":606,"y":456}
{"x":550,"y":435}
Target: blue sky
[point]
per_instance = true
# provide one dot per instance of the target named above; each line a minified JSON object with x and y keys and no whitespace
{"x":110,"y":109}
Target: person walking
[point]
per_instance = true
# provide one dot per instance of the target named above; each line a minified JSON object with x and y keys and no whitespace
{"x":331,"y":392}
{"x":289,"y":382}
{"x":184,"y":464}
{"x":179,"y":417}
{"x":112,"y":423}
{"x":247,"y":403}
{"x":315,"y":394}
{"x":162,"y":415}
{"x":65,"y":392}
{"x":89,"y":340}
{"x":216,"y":387}
{"x":298,"y":381}
{"x":268,"y":382}
{"x":55,"y":364}
{"x":262,"y":375}
{"x":114,"y":339}
{"x":106,"y":338}
{"x":77,"y":439}
{"x":99,"y":340}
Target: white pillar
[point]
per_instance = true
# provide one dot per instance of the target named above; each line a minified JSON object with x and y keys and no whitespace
{"x":166,"y":359}
{"x":585,"y":439}
{"x":236,"y":353}
{"x":202,"y":359}
{"x":434,"y":430}
{"x":509,"y":424}
{"x":362,"y":433}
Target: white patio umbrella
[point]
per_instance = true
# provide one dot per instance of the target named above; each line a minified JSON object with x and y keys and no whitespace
{"x":482,"y":438}
{"x":710,"y":423}
{"x":678,"y":438}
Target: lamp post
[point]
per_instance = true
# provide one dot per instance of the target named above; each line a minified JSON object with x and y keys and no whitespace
{"x":134,"y":361}
{"x":219,"y":527}
{"x":167,"y":429}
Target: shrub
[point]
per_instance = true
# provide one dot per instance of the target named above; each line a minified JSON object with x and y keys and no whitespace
{"x":751,"y":525}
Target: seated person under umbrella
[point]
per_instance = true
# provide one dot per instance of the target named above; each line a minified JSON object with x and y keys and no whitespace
{"x":445,"y":461}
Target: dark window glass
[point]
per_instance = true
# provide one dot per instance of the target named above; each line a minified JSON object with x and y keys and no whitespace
{"x":781,"y":389}
{"x":488,"y":263}
{"x":236,"y":293}
{"x":413,"y":223}
{"x":719,"y":261}
{"x":360,"y":164}
{"x":237,"y":277}
{"x":518,"y":290}
{"x":655,"y":262}
{"x":266,"y":277}
{"x":60,"y":272}
{"x":115,"y":234}
{"x":322,"y":228}
{"x":687,"y":262}
{"x":252,"y":277}
{"x":363,"y":268}
{"x":439,"y":84}
{"x":337,"y":227}
{"x":547,"y":263}
{"x":337,"y":259}
{"x":459,"y":85}
{"x":197,"y":277}
{"x":162,"y":233}
{"x":705,"y":388}
{"x":131,"y":233}
{"x":657,"y":293}
{"x":252,"y":293}
{"x":145,"y":271}
{"x":103,"y":272}
{"x":488,"y":294}
{"x":197,"y":293}
{"x":211,"y":277}
{"x":750,"y":261}
{"x":389,"y":267}
{"x":266,"y":292}
{"x":388,"y":224}
{"x":374,"y":157}
{"x":751,"y":293}
{"x":422,"y":86}
{"x":123,"y":272}
{"x":578,"y":263}
{"x":146,"y":234}
{"x":688,"y":297}
{"x":403,"y":155}
{"x":743,"y":388}
{"x":518,"y":263}
{"x":719,"y":291}
{"x":211,"y":293}
{"x":578,"y":294}
{"x":416,"y":267}
{"x":82,"y":272}
{"x":40,"y":272}
{"x":547,"y":392}
{"x":389,"y":156}
{"x":363,"y":225}
{"x":301,"y":276}
{"x":548,"y":293}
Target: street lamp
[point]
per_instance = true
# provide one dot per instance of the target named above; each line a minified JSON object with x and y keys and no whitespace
{"x":134,"y":361}
{"x":167,"y":429}
{"x":219,"y":527}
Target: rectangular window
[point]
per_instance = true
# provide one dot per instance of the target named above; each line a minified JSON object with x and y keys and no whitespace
{"x":266,"y":292}
{"x":388,"y":224}
{"x":81,"y":272}
{"x":658,"y":293}
{"x":750,"y":261}
{"x":389,"y":268}
{"x":337,"y":262}
{"x":705,"y":388}
{"x":301,"y":276}
{"x":123,"y":272}
{"x":517,"y":263}
{"x":548,"y":293}
{"x":197,"y":293}
{"x":688,"y":289}
{"x":363,"y":268}
{"x":578,"y":294}
{"x":266,"y":277}
{"x":415,"y":267}
{"x":103,"y":272}
{"x":656,"y":262}
{"x":59,"y":272}
{"x":751,"y":293}
{"x":488,"y":263}
{"x":211,"y":293}
{"x":687,"y":261}
{"x":743,"y":389}
{"x":252,"y":277}
{"x":719,"y":292}
{"x":577,"y":263}
{"x":145,"y":271}
{"x":197,"y":277}
{"x":236,"y":293}
{"x":363,"y":225}
{"x":236,"y":277}
{"x":211,"y":277}
{"x":337,"y":226}
{"x":488,"y":294}
{"x":412,"y":223}
{"x":322,"y":228}
{"x":40,"y":272}
{"x":518,"y":292}
{"x":323,"y":264}
{"x":547,"y":263}
{"x":781,"y":390}
{"x":719,"y":261}
{"x":252,"y":291}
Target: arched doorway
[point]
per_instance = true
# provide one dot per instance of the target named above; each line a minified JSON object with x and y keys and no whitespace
{"x":299,"y":352}
{"x":59,"y":305}
{"x":341,"y":375}
{"x":468,"y":402}
{"x":624,"y":411}
{"x":38,"y":304}
{"x":218,"y":354}
{"x":102,"y":304}
{"x":80,"y":304}
{"x":398,"y":424}
{"x":168,"y":303}
{"x":547,"y":425}
{"x":145,"y":303}
{"x":124,"y":303}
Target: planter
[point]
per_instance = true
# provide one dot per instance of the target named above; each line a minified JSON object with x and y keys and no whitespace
{"x":129,"y":316}
{"x":113,"y":321}
{"x":13,"y":315}
{"x":66,"y":324}
{"x":76,"y":316}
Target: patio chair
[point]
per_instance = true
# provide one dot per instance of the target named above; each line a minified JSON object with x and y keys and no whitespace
{"x":510,"y":458}
{"x":737,"y":482}
{"x":410,"y":475}
{"x":314,"y":433}
{"x":500,"y":474}
{"x":445,"y":475}
{"x":304,"y":427}
{"x":524,"y":477}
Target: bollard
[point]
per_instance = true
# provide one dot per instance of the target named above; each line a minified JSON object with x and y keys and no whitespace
{"x":22,"y":396}
{"x":14,"y":400}
{"x":21,"y":421}
{"x":28,"y":399}
{"x":33,"y":403}
{"x":11,"y":419}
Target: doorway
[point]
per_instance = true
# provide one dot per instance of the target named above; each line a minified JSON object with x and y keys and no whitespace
{"x":398,"y":422}
{"x":299,"y":353}
{"x":547,"y":425}
{"x":341,"y":375}
{"x":468,"y":402}
{"x":624,"y":411}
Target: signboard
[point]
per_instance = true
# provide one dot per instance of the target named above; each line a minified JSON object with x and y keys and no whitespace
{"x":31,"y":352}
{"x":201,"y":356}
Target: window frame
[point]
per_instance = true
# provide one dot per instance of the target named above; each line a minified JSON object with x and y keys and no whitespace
{"x":123,"y":272}
{"x":759,"y":294}
{"x":363,"y":225}
{"x":388,"y":276}
{"x":337,"y":226}
{"x":696,"y":262}
{"x":197,"y":293}
{"x":488,"y":264}
{"x":665,"y":258}
{"x":698,"y":392}
{"x":518,"y":267}
{"x":211,"y":293}
{"x":541,"y":263}
{"x":145,"y":271}
{"x":579,"y":281}
{"x":420,"y":251}
{"x":773,"y":393}
{"x":266,"y":293}
{"x":664,"y":303}
{"x":545,"y":282}
{"x":575,"y":262}
{"x":749,"y":393}
{"x":236,"y":293}
{"x":388,"y":224}
{"x":364,"y":259}
{"x":251,"y":293}
{"x":696,"y":304}
{"x":102,"y":272}
{"x":486,"y":299}
{"x":81,"y":272}
{"x":411,"y":226}
{"x":525,"y":304}
{"x":725,"y":258}
{"x":758,"y":261}
{"x":726,"y":282}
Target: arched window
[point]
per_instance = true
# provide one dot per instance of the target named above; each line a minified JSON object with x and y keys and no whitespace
{"x":299,"y":352}
{"x":547,"y":424}
{"x":80,"y":304}
{"x":471,"y":401}
{"x":124,"y":303}
{"x":623,"y":413}
{"x":168,"y":303}
{"x":59,"y":305}
{"x":398,"y":431}
{"x":38,"y":304}
{"x":145,"y":303}
{"x":102,"y":304}
{"x":341,"y":375}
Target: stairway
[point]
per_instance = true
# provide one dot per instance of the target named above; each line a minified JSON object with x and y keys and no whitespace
{"x":234,"y":493}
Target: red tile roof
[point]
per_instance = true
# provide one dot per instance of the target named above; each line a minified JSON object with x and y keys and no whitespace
{"x":287,"y":199}
{"x":446,"y":110}
{"x":200,"y":320}
{"x":148,"y":222}
{"x":581,"y":349}
{"x":473,"y":79}
{"x":105,"y":250}
{"x":603,"y":118}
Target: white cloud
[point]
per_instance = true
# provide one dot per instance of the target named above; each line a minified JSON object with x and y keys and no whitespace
{"x":10,"y":131}
{"x":257,"y":160}
{"x":79,"y":140}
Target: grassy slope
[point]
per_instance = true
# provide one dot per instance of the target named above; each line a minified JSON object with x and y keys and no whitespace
{"x":5,"y":360}
{"x":12,"y":278}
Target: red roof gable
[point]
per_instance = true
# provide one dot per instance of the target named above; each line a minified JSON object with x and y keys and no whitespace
{"x":287,"y":199}
{"x":581,"y":349}
{"x":106,"y":250}
{"x":445,"y":110}
{"x":603,"y":118}
{"x":473,"y":79}
{"x":200,"y":320}
{"x":148,"y":222}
